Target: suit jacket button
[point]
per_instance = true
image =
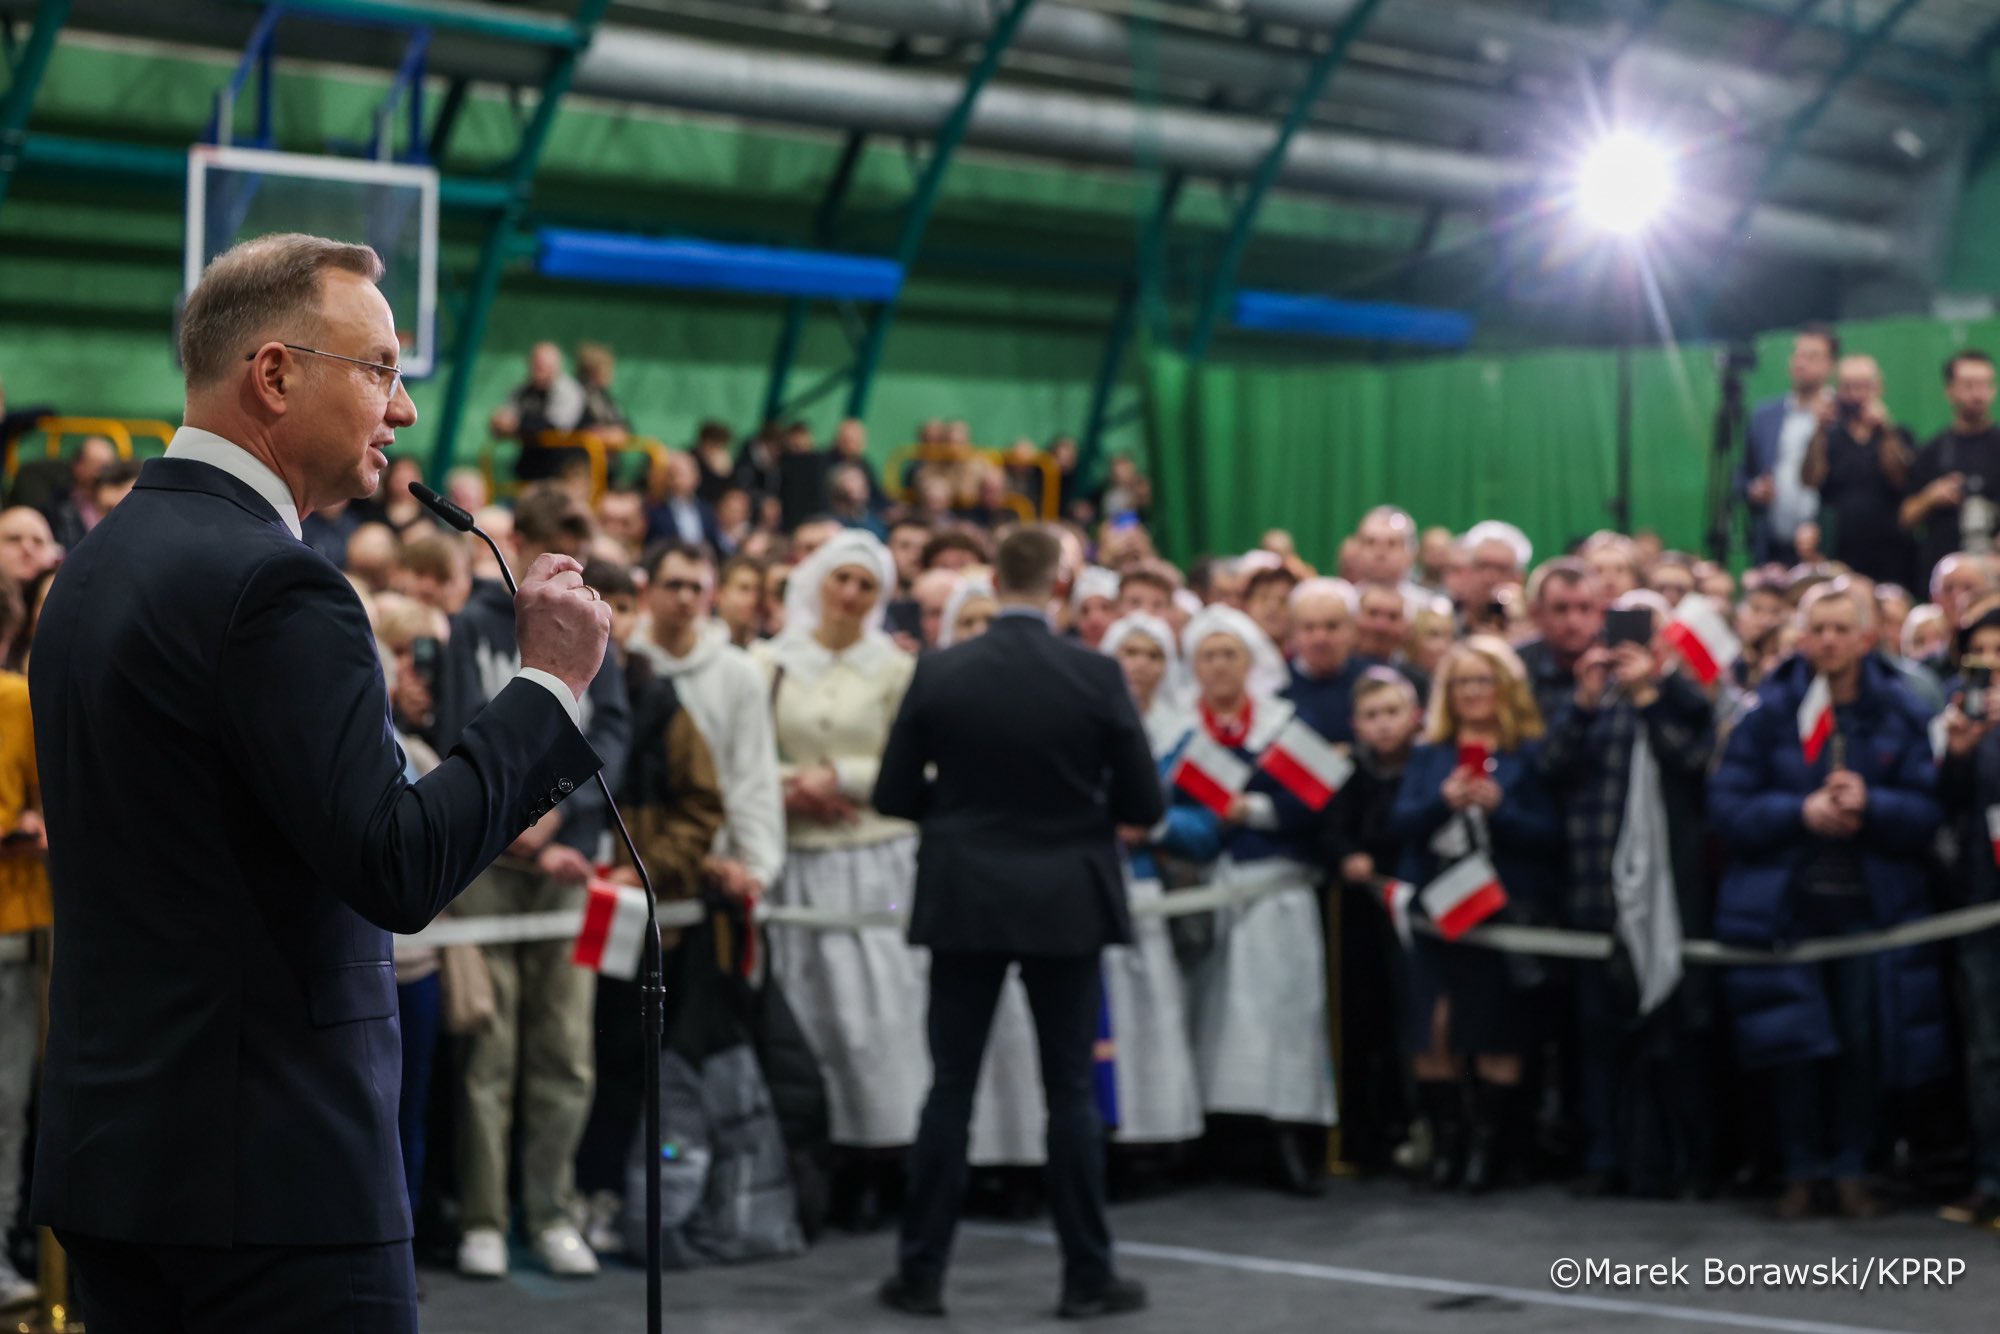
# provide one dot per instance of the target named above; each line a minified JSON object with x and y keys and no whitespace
{"x":565,"y":787}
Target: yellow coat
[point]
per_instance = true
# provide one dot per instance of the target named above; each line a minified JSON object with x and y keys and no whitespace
{"x":24,"y":882}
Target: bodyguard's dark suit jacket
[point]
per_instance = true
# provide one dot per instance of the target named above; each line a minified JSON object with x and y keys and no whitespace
{"x":1039,"y":755}
{"x":231,"y":840}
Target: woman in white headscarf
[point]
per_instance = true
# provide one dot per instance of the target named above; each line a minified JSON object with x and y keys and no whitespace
{"x":969,"y":610}
{"x":1158,"y":1100}
{"x":836,"y":684}
{"x":1149,"y":652}
{"x":1259,"y":996}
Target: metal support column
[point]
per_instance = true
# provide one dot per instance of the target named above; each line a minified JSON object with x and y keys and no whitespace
{"x":499,"y":241}
{"x":24,"y":84}
{"x":1152,"y":249}
{"x":826,"y":219}
{"x":917,"y":214}
{"x":1223,"y":283}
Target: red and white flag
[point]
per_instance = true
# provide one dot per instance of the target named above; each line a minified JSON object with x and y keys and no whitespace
{"x":1816,"y":719}
{"x":1305,"y":763}
{"x":1993,"y":831}
{"x":1464,"y":896}
{"x":1703,"y":638}
{"x":614,"y":929}
{"x":1210,"y":772}
{"x":1396,"y":897}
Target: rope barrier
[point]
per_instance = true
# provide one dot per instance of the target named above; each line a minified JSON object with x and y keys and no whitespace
{"x":1549,"y":942}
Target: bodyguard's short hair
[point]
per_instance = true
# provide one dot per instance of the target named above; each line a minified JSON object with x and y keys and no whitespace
{"x":251,"y":290}
{"x":1027,"y":561}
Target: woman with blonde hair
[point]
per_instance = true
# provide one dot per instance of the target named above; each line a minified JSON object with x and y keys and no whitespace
{"x":1471,"y":792}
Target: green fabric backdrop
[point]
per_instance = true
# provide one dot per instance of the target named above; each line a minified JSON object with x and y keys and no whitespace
{"x":1530,"y":438}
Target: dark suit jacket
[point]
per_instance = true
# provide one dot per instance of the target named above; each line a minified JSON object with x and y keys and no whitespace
{"x":231,"y":840}
{"x":1760,"y":458}
{"x":660,"y":527}
{"x":1039,"y":755}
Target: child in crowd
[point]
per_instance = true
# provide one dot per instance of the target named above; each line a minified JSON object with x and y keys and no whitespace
{"x":1375,"y":1106}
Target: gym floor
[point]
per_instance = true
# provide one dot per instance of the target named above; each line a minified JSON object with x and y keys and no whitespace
{"x":1370,"y":1256}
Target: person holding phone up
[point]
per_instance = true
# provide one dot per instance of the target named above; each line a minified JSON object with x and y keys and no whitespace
{"x":1472,"y":790}
{"x":1627,"y":754}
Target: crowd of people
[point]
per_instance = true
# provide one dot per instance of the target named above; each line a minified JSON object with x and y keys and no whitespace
{"x":1437,"y":733}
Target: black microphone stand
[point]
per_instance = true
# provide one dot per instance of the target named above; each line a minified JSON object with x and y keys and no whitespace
{"x":652,"y":983}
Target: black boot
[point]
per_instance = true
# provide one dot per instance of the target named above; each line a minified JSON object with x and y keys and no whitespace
{"x":1487,"y":1157}
{"x":1443,"y":1104}
{"x":1300,"y":1163}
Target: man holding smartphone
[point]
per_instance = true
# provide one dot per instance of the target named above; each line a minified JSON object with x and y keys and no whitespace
{"x":1625,"y":758}
{"x":1859,"y":462}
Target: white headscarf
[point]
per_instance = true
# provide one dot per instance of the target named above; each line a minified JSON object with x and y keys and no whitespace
{"x":1267,"y":666}
{"x":970,"y":587}
{"x":1168,"y":717}
{"x":1149,"y":625}
{"x":797,"y":651}
{"x":850,"y":546}
{"x":1094,"y":582}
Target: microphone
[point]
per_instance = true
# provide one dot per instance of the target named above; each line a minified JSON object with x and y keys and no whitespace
{"x":452,"y":514}
{"x":652,"y":987}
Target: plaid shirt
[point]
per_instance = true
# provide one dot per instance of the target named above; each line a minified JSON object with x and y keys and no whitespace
{"x":1588,"y":761}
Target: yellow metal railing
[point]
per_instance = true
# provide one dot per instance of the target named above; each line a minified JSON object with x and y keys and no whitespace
{"x":595,"y":447}
{"x":120,"y":431}
{"x":1051,"y":502}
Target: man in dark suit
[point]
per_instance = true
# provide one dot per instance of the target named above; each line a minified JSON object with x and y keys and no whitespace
{"x":1039,"y":756}
{"x":232,"y":839}
{"x":681,"y":514}
{"x":1769,"y":478}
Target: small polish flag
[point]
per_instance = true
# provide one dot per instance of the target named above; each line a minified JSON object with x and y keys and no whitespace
{"x":1305,"y":763}
{"x":1396,"y":896}
{"x":1211,"y":773}
{"x":1816,"y":719}
{"x":1464,"y":896}
{"x":614,"y":929}
{"x":1993,"y":831}
{"x":1703,"y":638}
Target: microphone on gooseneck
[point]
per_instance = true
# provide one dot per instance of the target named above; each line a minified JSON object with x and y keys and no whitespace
{"x":452,"y":514}
{"x":652,"y":988}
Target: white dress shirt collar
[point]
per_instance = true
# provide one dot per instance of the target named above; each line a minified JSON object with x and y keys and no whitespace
{"x":191,"y":442}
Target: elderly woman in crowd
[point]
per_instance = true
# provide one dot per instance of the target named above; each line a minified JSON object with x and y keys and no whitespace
{"x":1471,"y":791}
{"x":836,"y":683}
{"x":1259,"y":997}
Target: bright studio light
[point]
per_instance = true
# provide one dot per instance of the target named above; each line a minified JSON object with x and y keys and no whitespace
{"x":1624,"y":182}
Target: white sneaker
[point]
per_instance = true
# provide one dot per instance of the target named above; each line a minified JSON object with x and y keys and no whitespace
{"x":601,"y":1225}
{"x":562,"y":1251}
{"x":15,"y":1290}
{"x":483,"y":1253}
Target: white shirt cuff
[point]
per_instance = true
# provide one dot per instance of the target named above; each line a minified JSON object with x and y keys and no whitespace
{"x":552,"y":683}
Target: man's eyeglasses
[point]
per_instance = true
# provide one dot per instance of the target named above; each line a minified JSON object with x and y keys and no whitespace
{"x":393,"y":374}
